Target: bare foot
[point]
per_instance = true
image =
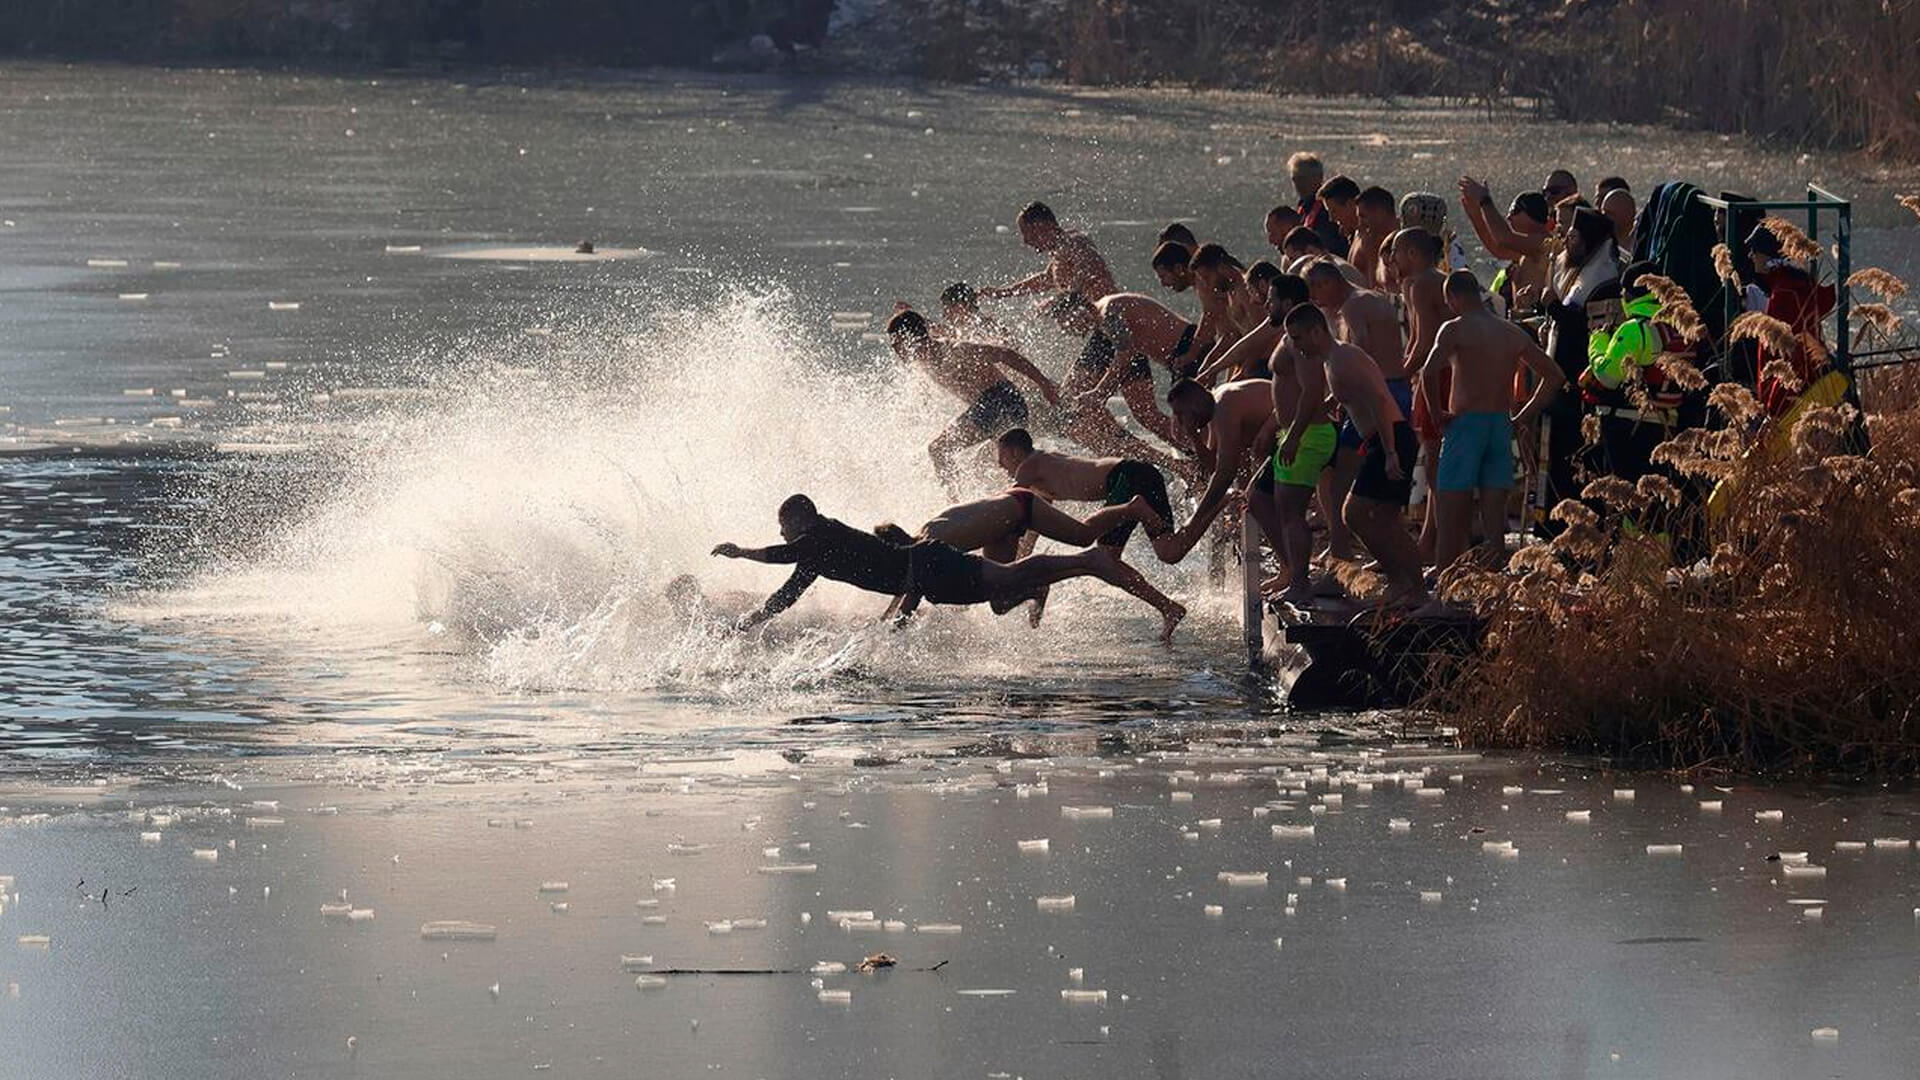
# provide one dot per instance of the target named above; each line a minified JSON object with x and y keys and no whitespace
{"x":1146,"y":515}
{"x":1039,"y":608}
{"x":1169,"y":619}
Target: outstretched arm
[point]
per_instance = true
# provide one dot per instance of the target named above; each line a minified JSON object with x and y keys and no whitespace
{"x":1020,"y":365}
{"x":1254,"y":345}
{"x":1031,"y":284}
{"x":1226,"y":466}
{"x":780,"y":601}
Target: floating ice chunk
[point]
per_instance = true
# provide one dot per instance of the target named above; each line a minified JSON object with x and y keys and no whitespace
{"x":791,"y":868}
{"x":836,"y":997}
{"x":1664,"y":849}
{"x":653,"y":920}
{"x":1076,"y":976}
{"x":721,"y":927}
{"x":1512,"y":790}
{"x":1087,"y":813}
{"x":1293,"y":832}
{"x":1849,"y":845}
{"x":1034,"y":847}
{"x":1806,"y":870}
{"x":1710,"y":806}
{"x":207,"y":854}
{"x":986,"y":993}
{"x":1891,"y":843}
{"x":649,"y":982}
{"x":1826,"y":1034}
{"x":894,"y":926}
{"x":1813,"y":914}
{"x":1208,"y":824}
{"x":828,"y":967}
{"x":1337,"y":884}
{"x":1431,"y":793}
{"x":1084,"y":997}
{"x":106,"y":264}
{"x":1429,"y":897}
{"x":1399,"y":825}
{"x":553,"y":886}
{"x":149,"y":837}
{"x":335,"y":911}
{"x":457,"y":930}
{"x":938,"y":928}
{"x":1580,"y":815}
{"x":265,"y":822}
{"x":34,"y":941}
{"x":283,"y":305}
{"x":1623,"y":794}
{"x":686,"y":849}
{"x":665,"y":884}
{"x":1054,"y":903}
{"x":1495,"y":846}
{"x":630,"y":962}
{"x":861,"y":926}
{"x":842,"y":916}
{"x":1793,"y":858}
{"x":1239,"y":878}
{"x":1769,"y":815}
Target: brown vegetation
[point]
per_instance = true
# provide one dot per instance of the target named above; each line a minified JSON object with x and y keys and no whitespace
{"x":1789,"y":644}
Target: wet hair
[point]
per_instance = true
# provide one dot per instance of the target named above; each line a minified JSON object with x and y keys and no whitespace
{"x":1419,"y":241}
{"x":907,"y":324}
{"x":1178,"y":233}
{"x":1612,"y":183}
{"x":1630,"y":278}
{"x":1262,"y":272}
{"x":1463,"y":283}
{"x":1303,"y":237}
{"x":1341,"y":188}
{"x":1213,"y":257}
{"x":1305,"y":161}
{"x":893,"y":534}
{"x":798,"y":508}
{"x":1187,"y":390}
{"x":1284,"y":212}
{"x":1171,"y":256}
{"x":1037,"y":213}
{"x":1018,"y":438}
{"x":960,"y":294}
{"x":1321,"y":270}
{"x":1377,"y":198}
{"x":1306,"y":317}
{"x":1533,"y":204}
{"x":1288,"y":287}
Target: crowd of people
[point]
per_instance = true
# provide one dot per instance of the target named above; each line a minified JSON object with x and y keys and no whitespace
{"x":1315,"y":384}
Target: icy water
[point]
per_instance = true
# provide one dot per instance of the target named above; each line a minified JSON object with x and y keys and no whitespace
{"x":329,"y":476}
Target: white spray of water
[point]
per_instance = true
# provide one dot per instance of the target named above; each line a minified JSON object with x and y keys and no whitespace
{"x":534,"y":517}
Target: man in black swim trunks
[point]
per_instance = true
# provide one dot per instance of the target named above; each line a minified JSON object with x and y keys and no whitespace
{"x":1113,"y":481}
{"x":1123,"y":331}
{"x":976,"y":373}
{"x":817,"y":547}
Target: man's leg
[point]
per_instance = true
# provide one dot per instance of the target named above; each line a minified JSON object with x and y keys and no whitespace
{"x":1493,"y":523}
{"x":1335,"y":485}
{"x":1056,"y":524}
{"x":1379,"y":525}
{"x":1456,"y":512}
{"x":1430,"y":520}
{"x":1296,"y":540}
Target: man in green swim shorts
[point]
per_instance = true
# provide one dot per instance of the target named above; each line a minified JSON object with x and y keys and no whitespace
{"x":1294,"y":472}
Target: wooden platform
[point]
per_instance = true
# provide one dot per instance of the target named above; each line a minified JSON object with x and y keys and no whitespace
{"x":1339,"y":654}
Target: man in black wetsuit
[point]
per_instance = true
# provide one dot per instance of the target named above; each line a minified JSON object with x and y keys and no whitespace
{"x":819,"y":547}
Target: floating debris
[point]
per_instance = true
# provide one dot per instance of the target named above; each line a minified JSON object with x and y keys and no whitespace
{"x":1826,"y":1034}
{"x":649,"y":982}
{"x":986,"y":993}
{"x":335,"y":911}
{"x":1792,"y":857}
{"x":653,"y":920}
{"x":1805,"y":870}
{"x":35,"y":941}
{"x":721,"y":927}
{"x":630,"y":962}
{"x":842,"y":916}
{"x":1399,"y":825}
{"x":558,"y":907}
{"x":553,"y":887}
{"x":1580,"y":815}
{"x":1181,"y":796}
{"x":1054,"y":903}
{"x":1213,"y":911}
{"x":149,"y":837}
{"x":938,"y":928}
{"x":1034,"y":847}
{"x":836,"y":997}
{"x":1849,"y":845}
{"x":207,"y":854}
{"x":1710,"y":806}
{"x":1623,"y":794}
{"x":1429,"y":897}
{"x":1084,"y":997}
{"x":1293,"y":832}
{"x":791,"y":868}
{"x":1891,"y":843}
{"x":686,"y":849}
{"x":1664,"y":849}
{"x":283,"y":305}
{"x":1241,"y":878}
{"x":1087,"y":813}
{"x":457,"y":930}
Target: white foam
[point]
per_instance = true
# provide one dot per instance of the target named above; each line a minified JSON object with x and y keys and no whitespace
{"x":149,"y":837}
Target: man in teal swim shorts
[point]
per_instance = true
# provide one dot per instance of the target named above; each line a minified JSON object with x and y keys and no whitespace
{"x":1481,"y":351}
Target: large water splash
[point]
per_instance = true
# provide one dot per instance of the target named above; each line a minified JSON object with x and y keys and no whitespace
{"x":532,"y":509}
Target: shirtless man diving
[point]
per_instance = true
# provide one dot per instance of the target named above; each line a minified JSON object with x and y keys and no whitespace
{"x":975,"y":373}
{"x":1074,"y":266}
{"x":1002,"y":528}
{"x":1113,"y":481}
{"x":818,"y":546}
{"x":1126,"y":334}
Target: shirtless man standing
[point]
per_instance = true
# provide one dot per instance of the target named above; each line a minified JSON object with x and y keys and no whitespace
{"x":1225,"y":428}
{"x":1251,"y":357}
{"x":1416,"y":254}
{"x":1480,"y":351}
{"x":1523,"y":238}
{"x":1074,"y":266}
{"x":1283,"y":488}
{"x":972,"y":372}
{"x":1377,"y":217}
{"x":1367,"y":320}
{"x":1388,"y":448}
{"x":1303,"y":246}
{"x":999,"y":527}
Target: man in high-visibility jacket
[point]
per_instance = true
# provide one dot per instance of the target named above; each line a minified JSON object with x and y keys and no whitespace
{"x":1638,"y":405}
